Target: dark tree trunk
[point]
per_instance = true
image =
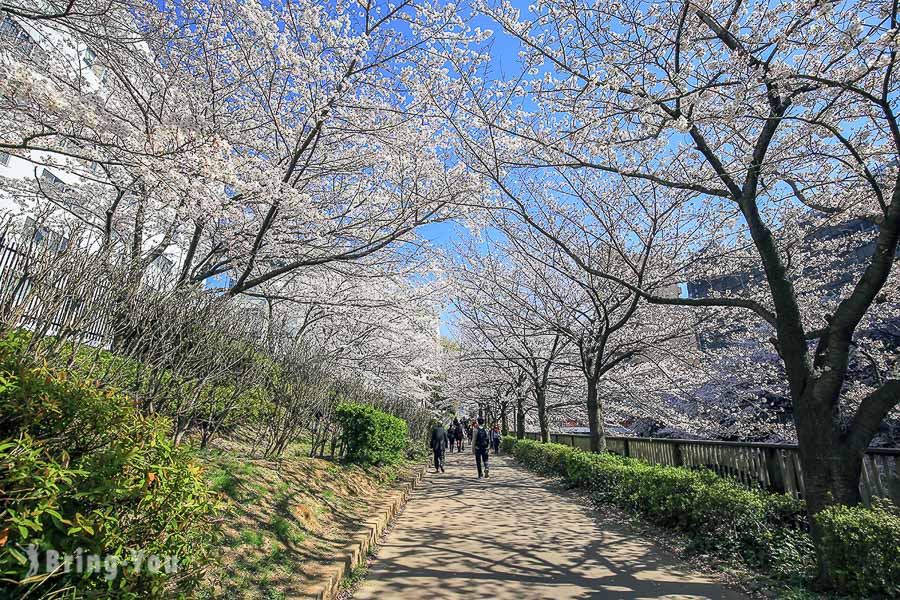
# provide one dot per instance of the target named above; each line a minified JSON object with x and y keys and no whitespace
{"x":504,"y":425}
{"x":542,"y":415}
{"x":831,"y":467}
{"x":595,"y":418}
{"x":520,"y":417}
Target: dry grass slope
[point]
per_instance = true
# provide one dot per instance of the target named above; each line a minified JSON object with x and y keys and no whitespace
{"x":286,"y":520}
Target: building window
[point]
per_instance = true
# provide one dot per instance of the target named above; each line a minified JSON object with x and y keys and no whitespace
{"x":4,"y":159}
{"x":13,"y":32}
{"x":54,"y":188}
{"x":44,"y":236}
{"x":47,"y":177}
{"x":9,"y":28}
{"x":89,"y":57}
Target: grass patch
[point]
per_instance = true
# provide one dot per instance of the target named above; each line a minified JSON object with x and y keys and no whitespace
{"x":225,"y":482}
{"x":285,"y":530}
{"x":252,"y":538}
{"x":355,"y":576}
{"x":285,"y":519}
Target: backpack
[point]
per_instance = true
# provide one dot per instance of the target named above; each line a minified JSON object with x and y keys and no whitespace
{"x":481,"y":439}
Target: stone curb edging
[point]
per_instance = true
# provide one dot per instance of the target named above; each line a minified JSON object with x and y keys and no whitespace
{"x":355,"y":552}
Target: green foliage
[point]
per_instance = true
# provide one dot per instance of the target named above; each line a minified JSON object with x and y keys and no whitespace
{"x":220,"y":404}
{"x":417,"y":450}
{"x":252,"y":538}
{"x":285,"y":530}
{"x":81,"y":468}
{"x":863,"y":548}
{"x":507,"y":443}
{"x":769,"y":531}
{"x":718,"y":515}
{"x":371,"y":436}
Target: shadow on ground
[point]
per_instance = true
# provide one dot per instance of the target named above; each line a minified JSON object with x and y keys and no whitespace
{"x":515,"y":536}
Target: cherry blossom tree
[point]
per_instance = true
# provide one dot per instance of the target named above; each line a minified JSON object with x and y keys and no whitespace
{"x":761,"y":127}
{"x":249,"y":140}
{"x":606,"y":324}
{"x":506,"y":313}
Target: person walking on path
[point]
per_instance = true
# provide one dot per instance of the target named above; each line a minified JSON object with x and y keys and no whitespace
{"x":459,"y":436}
{"x":438,"y":443}
{"x":481,"y":444}
{"x":451,"y":437}
{"x":495,"y":438}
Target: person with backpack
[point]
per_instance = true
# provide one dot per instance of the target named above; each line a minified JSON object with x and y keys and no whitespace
{"x":481,"y":444}
{"x":495,"y":438}
{"x":438,"y":443}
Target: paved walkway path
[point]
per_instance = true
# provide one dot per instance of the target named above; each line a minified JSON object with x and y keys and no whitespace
{"x":535,"y":543}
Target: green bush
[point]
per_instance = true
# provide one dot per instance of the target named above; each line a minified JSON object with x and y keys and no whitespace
{"x":508,"y":443}
{"x":718,"y":515}
{"x":80,"y":468}
{"x":371,"y":436}
{"x":863,"y":548}
{"x":769,"y":531}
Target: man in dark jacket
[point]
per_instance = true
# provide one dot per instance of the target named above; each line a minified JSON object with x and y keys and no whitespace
{"x":481,"y":443}
{"x":450,"y":439}
{"x":438,"y":443}
{"x":458,"y":435}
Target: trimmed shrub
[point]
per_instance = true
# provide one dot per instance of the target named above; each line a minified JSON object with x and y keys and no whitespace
{"x":508,"y":443}
{"x":863,"y":548}
{"x":371,"y":436}
{"x":718,"y":515}
{"x":80,"y":468}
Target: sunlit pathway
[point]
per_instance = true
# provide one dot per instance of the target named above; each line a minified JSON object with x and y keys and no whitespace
{"x":513,"y":536}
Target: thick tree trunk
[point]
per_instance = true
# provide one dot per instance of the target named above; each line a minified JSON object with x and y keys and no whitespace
{"x":542,"y":415}
{"x":504,"y":424}
{"x":520,"y":417}
{"x":831,"y":477}
{"x":831,"y":467}
{"x":595,"y":418}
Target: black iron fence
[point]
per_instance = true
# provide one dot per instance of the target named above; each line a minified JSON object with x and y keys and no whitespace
{"x":39,"y":292}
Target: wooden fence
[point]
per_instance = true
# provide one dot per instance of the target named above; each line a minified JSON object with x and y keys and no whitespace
{"x":774,"y":467}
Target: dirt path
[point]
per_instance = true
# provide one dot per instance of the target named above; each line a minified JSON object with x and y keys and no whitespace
{"x":535,"y":543}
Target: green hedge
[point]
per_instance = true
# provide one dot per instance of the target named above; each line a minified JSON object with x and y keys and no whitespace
{"x":863,"y":546}
{"x":769,"y":531}
{"x":80,"y":468}
{"x":371,"y":436}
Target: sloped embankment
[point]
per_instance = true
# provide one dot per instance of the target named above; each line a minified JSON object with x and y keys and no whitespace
{"x":292,"y":526}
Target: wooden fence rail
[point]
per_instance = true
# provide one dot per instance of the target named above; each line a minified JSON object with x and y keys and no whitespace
{"x":774,"y":467}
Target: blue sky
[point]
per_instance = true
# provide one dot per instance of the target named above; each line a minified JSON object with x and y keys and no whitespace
{"x":504,"y":59}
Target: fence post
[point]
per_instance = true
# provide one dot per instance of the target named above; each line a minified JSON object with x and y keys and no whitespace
{"x":676,"y":454}
{"x":573,"y":440}
{"x":626,"y":451}
{"x":773,"y":469}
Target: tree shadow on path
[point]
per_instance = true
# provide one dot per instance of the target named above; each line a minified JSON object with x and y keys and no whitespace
{"x":515,"y":536}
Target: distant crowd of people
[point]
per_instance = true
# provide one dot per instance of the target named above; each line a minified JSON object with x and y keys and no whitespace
{"x":457,"y":434}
